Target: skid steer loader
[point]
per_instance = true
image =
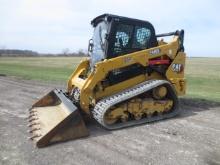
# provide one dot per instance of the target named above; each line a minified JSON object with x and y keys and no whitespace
{"x":131,"y":77}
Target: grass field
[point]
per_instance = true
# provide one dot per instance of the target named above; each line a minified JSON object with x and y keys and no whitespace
{"x":39,"y":68}
{"x":203,"y":74}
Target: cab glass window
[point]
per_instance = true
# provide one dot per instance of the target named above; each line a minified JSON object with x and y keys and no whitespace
{"x":141,"y":37}
{"x":130,"y":38}
{"x":122,"y":38}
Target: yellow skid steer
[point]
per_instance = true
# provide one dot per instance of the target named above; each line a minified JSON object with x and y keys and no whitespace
{"x":131,"y":77}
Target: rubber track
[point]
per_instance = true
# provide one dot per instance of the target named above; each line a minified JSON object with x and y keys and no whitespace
{"x":103,"y":105}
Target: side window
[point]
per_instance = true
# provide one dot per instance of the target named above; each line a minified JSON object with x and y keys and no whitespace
{"x":122,"y":38}
{"x":141,"y":37}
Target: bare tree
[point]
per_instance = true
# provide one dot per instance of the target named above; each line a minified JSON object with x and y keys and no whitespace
{"x":82,"y":52}
{"x":65,"y":51}
{"x":2,"y":49}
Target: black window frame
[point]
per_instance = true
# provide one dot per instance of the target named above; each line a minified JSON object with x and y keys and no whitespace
{"x":133,"y":22}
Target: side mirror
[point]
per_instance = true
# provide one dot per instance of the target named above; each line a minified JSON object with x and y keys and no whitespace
{"x":90,"y":46}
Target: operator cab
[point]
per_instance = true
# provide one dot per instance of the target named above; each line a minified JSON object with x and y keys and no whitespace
{"x":115,"y":36}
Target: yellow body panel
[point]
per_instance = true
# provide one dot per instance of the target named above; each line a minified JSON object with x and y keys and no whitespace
{"x":92,"y":90}
{"x":177,"y":77}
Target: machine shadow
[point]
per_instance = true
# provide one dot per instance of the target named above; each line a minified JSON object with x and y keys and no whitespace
{"x":191,"y":106}
{"x":95,"y":129}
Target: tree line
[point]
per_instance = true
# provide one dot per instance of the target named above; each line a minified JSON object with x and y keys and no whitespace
{"x":30,"y":53}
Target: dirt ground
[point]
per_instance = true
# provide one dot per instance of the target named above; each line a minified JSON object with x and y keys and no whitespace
{"x":191,"y":138}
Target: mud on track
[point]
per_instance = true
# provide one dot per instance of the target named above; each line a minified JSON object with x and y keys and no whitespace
{"x":191,"y":138}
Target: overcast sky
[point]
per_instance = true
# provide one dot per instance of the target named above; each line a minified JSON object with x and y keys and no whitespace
{"x":49,"y":26}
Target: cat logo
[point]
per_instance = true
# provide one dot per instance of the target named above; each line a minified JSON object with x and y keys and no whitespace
{"x":177,"y":67}
{"x":155,"y":51}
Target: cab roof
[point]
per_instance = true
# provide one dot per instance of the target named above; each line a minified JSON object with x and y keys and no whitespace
{"x":109,"y":17}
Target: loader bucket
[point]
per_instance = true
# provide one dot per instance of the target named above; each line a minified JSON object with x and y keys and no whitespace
{"x":55,"y":118}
